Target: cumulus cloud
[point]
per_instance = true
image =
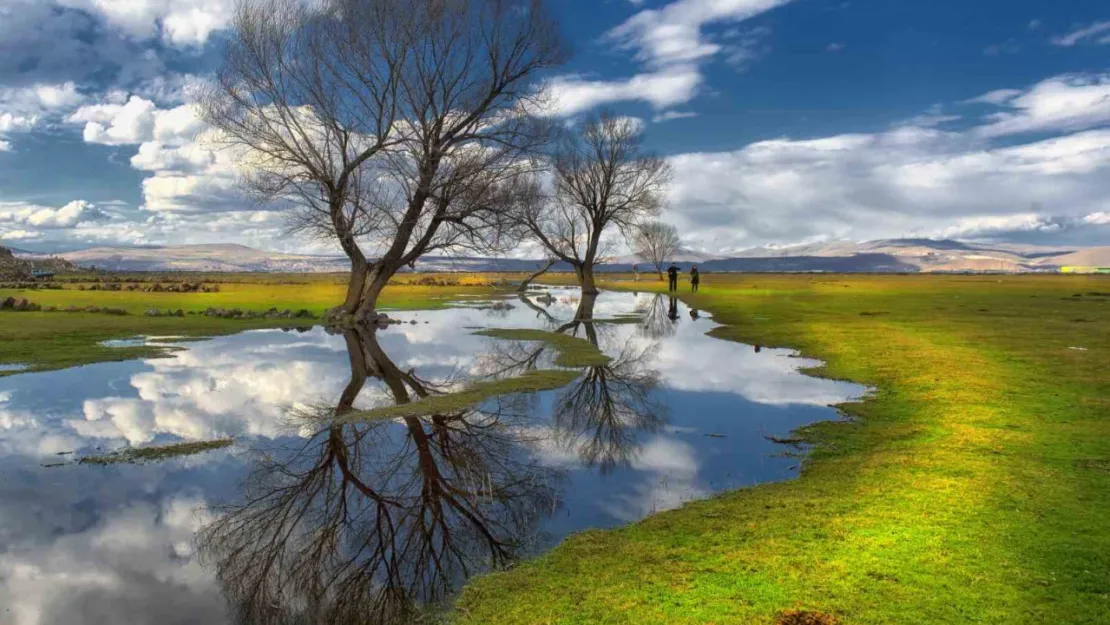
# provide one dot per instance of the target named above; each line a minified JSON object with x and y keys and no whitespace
{"x":68,"y":216}
{"x":25,"y":108}
{"x":176,"y":22}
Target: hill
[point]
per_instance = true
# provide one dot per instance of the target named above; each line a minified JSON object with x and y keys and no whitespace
{"x":882,"y":256}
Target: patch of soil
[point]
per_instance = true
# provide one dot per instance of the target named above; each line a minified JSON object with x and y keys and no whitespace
{"x":806,"y":617}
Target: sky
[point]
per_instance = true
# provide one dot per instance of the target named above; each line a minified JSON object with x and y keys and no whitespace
{"x":785,"y":121}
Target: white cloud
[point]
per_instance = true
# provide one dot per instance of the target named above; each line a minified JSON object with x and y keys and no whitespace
{"x":19,"y":235}
{"x":25,"y":108}
{"x":671,"y":115}
{"x":179,"y":23}
{"x":671,"y":42}
{"x":904,"y":181}
{"x":661,"y":89}
{"x":1102,"y":218}
{"x":31,"y":215}
{"x":1062,"y":103}
{"x":1091,"y":31}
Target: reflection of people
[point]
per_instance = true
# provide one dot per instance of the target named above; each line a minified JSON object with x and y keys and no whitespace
{"x":758,"y":348}
{"x":693,"y":313}
{"x":636,"y":272}
{"x":695,"y":278}
{"x":672,"y":274}
{"x":672,"y":314}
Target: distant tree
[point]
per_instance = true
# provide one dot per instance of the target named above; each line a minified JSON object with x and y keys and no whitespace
{"x":601,"y":179}
{"x":655,"y":242}
{"x":394,"y":126}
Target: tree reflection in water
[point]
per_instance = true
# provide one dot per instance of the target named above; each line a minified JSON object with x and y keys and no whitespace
{"x":365,"y":522}
{"x":600,"y":416}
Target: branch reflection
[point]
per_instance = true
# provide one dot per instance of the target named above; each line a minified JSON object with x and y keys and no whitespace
{"x":366,"y":522}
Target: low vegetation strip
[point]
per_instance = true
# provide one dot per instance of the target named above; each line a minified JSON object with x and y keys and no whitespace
{"x":572,"y":351}
{"x":471,"y":396}
{"x":155,"y":453}
{"x":968,"y":489}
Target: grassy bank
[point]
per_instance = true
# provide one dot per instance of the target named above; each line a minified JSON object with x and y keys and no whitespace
{"x":973,"y":488}
{"x":55,"y":340}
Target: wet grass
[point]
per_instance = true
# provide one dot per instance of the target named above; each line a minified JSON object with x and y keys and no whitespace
{"x":138,"y":455}
{"x":55,"y":340}
{"x":572,"y":351}
{"x":471,"y":396}
{"x":971,"y":488}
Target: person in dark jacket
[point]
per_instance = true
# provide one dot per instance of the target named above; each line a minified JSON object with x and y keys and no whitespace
{"x":672,"y":274}
{"x":695,"y":278}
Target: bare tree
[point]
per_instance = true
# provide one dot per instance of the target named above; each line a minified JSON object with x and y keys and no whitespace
{"x":394,"y":125}
{"x":602,"y":179}
{"x":655,"y":242}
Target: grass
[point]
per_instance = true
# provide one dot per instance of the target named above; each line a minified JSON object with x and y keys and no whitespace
{"x":571,"y":352}
{"x":473,"y":395}
{"x":972,"y":488}
{"x":155,"y":453}
{"x":55,"y":340}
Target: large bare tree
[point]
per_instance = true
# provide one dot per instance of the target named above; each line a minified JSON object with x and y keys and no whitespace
{"x":395,"y":127}
{"x":655,"y":242}
{"x":602,"y":179}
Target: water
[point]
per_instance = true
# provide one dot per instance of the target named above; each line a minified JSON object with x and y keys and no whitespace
{"x":307,"y":518}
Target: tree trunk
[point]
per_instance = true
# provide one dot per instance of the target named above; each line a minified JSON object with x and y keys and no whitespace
{"x":585,"y":273}
{"x":528,"y":281}
{"x":359,"y":271}
{"x":376,"y":280}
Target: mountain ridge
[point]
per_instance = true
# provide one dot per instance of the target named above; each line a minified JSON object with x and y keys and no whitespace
{"x":883,"y":255}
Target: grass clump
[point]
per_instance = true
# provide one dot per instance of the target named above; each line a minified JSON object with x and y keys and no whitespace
{"x":156,"y":453}
{"x":473,"y":395}
{"x":572,"y":351}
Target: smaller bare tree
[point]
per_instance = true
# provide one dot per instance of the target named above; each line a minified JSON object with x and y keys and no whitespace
{"x":655,"y":242}
{"x":602,"y":179}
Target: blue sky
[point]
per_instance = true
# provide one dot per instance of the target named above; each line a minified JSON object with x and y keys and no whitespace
{"x":786,"y":121}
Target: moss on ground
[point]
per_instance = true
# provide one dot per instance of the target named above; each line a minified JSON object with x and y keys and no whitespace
{"x":155,"y":453}
{"x":971,"y":488}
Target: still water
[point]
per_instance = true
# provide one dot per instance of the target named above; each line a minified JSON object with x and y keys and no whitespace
{"x":310,"y":519}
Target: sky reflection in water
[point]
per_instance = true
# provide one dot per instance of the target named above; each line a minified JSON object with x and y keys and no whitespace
{"x":388,"y":512}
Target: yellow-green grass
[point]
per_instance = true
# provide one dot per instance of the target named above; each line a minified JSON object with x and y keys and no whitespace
{"x":54,"y":340}
{"x":973,"y":487}
{"x":155,"y":453}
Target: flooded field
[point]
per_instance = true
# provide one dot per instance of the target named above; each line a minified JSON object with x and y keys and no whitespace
{"x":270,"y":492}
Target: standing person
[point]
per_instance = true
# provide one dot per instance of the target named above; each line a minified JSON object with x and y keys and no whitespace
{"x":672,"y":274}
{"x":636,"y":272}
{"x":695,"y":279}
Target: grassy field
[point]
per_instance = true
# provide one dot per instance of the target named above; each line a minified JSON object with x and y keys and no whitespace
{"x":52,"y":340}
{"x":974,"y":487}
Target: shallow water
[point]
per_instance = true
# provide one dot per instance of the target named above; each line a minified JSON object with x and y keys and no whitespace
{"x":308,"y":518}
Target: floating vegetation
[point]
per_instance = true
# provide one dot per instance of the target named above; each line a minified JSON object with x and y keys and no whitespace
{"x":136,"y":455}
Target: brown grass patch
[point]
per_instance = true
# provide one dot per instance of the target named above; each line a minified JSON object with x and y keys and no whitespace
{"x":806,"y":617}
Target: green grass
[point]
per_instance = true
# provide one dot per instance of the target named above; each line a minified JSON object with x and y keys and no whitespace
{"x":473,"y":395}
{"x":55,"y":340}
{"x":972,"y":488}
{"x":572,"y":351}
{"x":155,"y":453}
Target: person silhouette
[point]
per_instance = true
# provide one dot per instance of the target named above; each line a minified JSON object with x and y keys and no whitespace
{"x":672,"y":313}
{"x":695,"y":279}
{"x":672,"y":274}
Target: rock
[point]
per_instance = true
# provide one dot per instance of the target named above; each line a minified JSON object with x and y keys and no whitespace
{"x":93,"y":309}
{"x":50,"y":309}
{"x":113,"y":311}
{"x":20,"y":304}
{"x":304,"y":314}
{"x":153,"y":312}
{"x":7,"y":304}
{"x":179,"y":313}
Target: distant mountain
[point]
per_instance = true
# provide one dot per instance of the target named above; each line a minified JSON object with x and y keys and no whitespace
{"x":882,"y":256}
